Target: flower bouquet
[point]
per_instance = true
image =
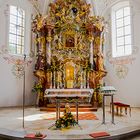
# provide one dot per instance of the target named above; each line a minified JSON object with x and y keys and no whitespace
{"x":66,"y":121}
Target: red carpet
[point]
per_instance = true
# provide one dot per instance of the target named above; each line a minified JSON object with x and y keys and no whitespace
{"x":99,"y":134}
{"x":87,"y":116}
{"x":83,"y":116}
{"x":32,"y":136}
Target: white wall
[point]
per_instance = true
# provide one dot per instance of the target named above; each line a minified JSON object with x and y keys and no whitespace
{"x":128,"y":87}
{"x":11,"y":87}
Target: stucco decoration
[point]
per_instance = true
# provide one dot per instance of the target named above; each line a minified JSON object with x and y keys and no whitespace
{"x":3,"y":50}
{"x":121,"y":71}
{"x":121,"y":63}
{"x":18,"y":70}
{"x":18,"y":65}
{"x":120,"y":60}
{"x":17,"y":61}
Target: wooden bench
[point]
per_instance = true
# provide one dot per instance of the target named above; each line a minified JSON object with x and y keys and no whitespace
{"x":120,"y":106}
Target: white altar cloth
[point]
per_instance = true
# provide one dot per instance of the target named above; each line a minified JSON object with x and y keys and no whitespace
{"x":69,"y":90}
{"x":67,"y":96}
{"x":84,"y":94}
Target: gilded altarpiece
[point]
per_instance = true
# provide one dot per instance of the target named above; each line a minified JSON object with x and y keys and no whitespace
{"x":69,"y":45}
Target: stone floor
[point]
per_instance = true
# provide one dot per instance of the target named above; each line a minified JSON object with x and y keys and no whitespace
{"x":11,"y":124}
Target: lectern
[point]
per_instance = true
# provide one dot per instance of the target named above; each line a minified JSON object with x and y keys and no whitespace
{"x":108,"y":91}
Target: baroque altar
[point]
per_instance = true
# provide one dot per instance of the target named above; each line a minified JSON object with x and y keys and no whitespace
{"x":69,"y":47}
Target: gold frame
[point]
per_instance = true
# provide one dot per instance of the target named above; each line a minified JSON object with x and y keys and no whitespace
{"x":70,"y":78}
{"x":70,"y":34}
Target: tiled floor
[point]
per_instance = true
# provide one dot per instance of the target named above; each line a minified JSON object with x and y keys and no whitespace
{"x":11,"y":123}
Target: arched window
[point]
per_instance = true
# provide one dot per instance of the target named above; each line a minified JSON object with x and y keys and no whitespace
{"x":121,"y":30}
{"x":16,"y":30}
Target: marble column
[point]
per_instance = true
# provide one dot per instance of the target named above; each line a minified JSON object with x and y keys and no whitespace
{"x":49,"y":39}
{"x":58,"y":79}
{"x":63,"y":80}
{"x":50,"y":79}
{"x":81,"y":80}
{"x":90,"y":29}
{"x":54,"y":79}
{"x":91,"y":53}
{"x":87,"y":79}
{"x":84,"y":76}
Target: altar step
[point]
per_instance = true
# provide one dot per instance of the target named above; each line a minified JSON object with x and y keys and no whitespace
{"x":82,"y":108}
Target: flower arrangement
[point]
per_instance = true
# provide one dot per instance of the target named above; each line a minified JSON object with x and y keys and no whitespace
{"x":37,"y":87}
{"x":98,"y":88}
{"x":97,"y":96}
{"x":67,"y":120}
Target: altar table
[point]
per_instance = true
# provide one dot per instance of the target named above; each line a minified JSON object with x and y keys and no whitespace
{"x":62,"y":95}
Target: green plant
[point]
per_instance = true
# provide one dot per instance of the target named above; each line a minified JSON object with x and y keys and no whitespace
{"x":37,"y":88}
{"x":97,"y":96}
{"x":65,"y":121}
{"x":98,"y":88}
